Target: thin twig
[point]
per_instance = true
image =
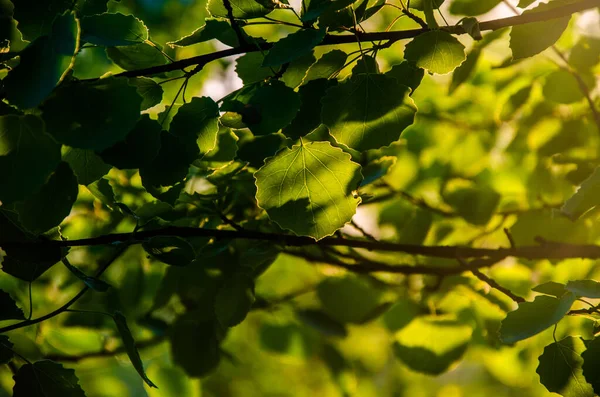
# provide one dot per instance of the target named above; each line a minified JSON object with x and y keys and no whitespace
{"x":233,"y":23}
{"x":491,"y":282}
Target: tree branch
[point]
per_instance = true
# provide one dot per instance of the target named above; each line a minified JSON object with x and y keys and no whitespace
{"x":491,"y":282}
{"x":548,"y":250}
{"x":391,"y":37}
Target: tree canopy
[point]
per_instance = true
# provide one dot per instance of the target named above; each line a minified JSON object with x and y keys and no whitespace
{"x":316,"y":197}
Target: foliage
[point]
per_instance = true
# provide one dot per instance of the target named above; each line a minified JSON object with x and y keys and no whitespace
{"x":250,"y":197}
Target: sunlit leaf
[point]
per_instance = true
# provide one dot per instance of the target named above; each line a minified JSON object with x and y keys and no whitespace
{"x":309,"y":188}
{"x":243,"y":9}
{"x":436,"y":51}
{"x":212,"y":29}
{"x":585,"y":198}
{"x":367,"y":111}
{"x":87,"y":166}
{"x":293,"y":46}
{"x":584,"y":288}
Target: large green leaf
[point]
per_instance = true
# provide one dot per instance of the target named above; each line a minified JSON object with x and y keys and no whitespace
{"x":52,"y":203}
{"x":150,"y":91}
{"x":293,"y":46}
{"x":130,"y":348}
{"x":8,"y":308}
{"x":326,"y":66}
{"x":436,"y":51}
{"x":87,"y":166}
{"x":531,"y":318}
{"x":296,"y":70}
{"x":100,"y":114}
{"x":249,"y":68}
{"x":23,"y":142}
{"x":431,"y":344}
{"x":28,"y":84}
{"x":140,"y":147}
{"x":113,"y":30}
{"x":368,"y":111}
{"x":260,"y":112}
{"x":46,"y":379}
{"x":474,"y":204}
{"x":243,"y":9}
{"x":309,"y":189}
{"x":561,"y":86}
{"x":407,"y":74}
{"x":169,"y":166}
{"x":532,"y":38}
{"x":560,"y":368}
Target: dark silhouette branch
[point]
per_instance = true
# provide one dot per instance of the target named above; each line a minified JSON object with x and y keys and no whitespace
{"x":546,"y":250}
{"x":392,"y":36}
{"x":490,"y":281}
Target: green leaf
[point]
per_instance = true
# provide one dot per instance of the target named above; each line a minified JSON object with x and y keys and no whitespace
{"x":139,"y":148}
{"x":6,"y":350}
{"x":524,"y":3}
{"x":249,"y":68}
{"x":212,"y":29}
{"x":551,"y":288}
{"x":286,"y":339}
{"x":137,"y":56}
{"x":548,"y":225}
{"x":348,"y":299}
{"x":475,"y":204}
{"x":243,"y":9}
{"x":9,"y":309}
{"x":407,"y":74}
{"x":411,"y":223}
{"x":322,"y":322}
{"x":92,"y":282}
{"x":514,"y":103}
{"x":170,"y":164}
{"x":401,"y":314}
{"x":585,"y":198}
{"x":293,"y":46}
{"x":436,"y":51}
{"x":33,"y":21}
{"x":130,"y":348}
{"x":472,"y":7}
{"x":259,"y":112}
{"x":46,"y":379}
{"x":257,"y":148}
{"x":112,"y":30}
{"x":171,"y":250}
{"x":102,"y":190}
{"x":23,"y":142}
{"x":150,"y":91}
{"x":234,"y":299}
{"x":326,"y":66}
{"x":367,"y":111}
{"x":465,"y":70}
{"x":562,"y":87}
{"x":308,"y":189}
{"x":87,"y":166}
{"x":196,"y":124}
{"x":431,"y":344}
{"x":420,"y":4}
{"x":52,"y":203}
{"x":99,"y":116}
{"x":532,"y":38}
{"x":28,"y":84}
{"x":366,"y":64}
{"x":560,"y":368}
{"x":297,"y":69}
{"x":172,"y":380}
{"x":584,"y":288}
{"x":309,"y":115}
{"x":591,"y":363}
{"x":531,"y":318}
{"x":585,"y":54}
{"x":195,"y":344}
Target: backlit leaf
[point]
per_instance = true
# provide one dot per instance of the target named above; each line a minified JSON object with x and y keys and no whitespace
{"x":436,"y":51}
{"x":112,"y":30}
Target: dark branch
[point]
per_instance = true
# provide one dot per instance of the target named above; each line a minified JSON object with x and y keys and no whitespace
{"x":391,"y":37}
{"x":491,"y":282}
{"x":548,"y":250}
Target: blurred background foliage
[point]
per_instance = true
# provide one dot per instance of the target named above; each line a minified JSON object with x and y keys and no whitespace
{"x":514,"y":137}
